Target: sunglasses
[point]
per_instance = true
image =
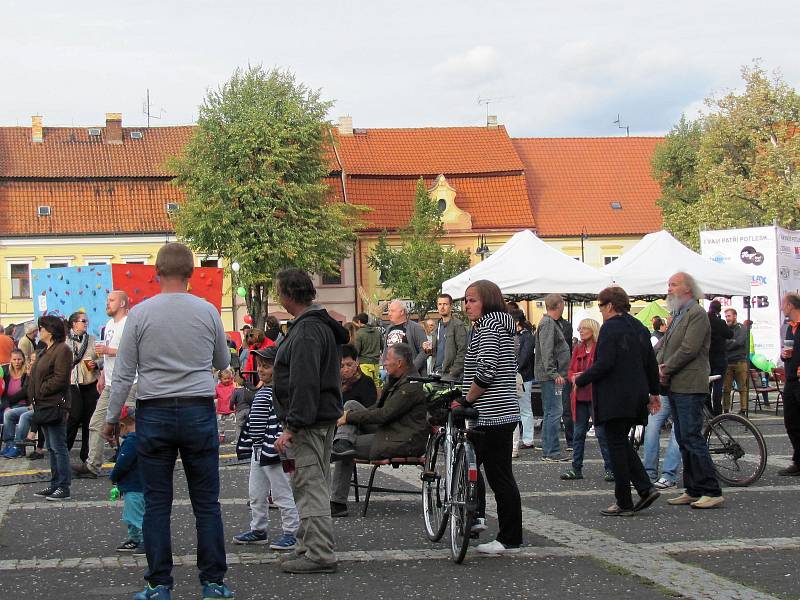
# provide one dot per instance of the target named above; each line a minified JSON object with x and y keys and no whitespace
{"x":82,"y":321}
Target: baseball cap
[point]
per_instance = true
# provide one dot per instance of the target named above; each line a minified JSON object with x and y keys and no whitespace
{"x":245,"y":326}
{"x":266,"y":353}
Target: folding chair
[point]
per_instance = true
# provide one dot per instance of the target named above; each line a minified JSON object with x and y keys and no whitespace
{"x":779,"y":374}
{"x":758,"y":387}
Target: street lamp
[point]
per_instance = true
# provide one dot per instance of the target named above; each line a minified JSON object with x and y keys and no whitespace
{"x":483,"y":249}
{"x":584,"y":236}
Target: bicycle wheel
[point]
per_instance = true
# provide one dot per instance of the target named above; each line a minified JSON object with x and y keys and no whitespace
{"x":434,"y":493}
{"x":463,"y":501}
{"x":737,"y":449}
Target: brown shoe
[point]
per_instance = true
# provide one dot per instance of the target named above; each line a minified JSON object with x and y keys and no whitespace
{"x":303,"y":565}
{"x":792,"y":470}
{"x":82,"y":471}
{"x":682,"y":499}
{"x":708,"y":502}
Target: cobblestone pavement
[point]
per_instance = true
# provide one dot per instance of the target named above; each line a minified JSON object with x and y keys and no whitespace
{"x":749,"y":549}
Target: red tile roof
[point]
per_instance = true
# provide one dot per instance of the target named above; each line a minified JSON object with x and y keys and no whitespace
{"x":428,"y":151}
{"x":494,"y":201}
{"x":72,"y":152}
{"x":80,"y":207}
{"x":573,"y":181}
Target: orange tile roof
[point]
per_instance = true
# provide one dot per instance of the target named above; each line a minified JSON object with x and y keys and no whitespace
{"x":428,"y":151}
{"x":494,"y":201}
{"x":80,"y":207}
{"x":572,"y":182}
{"x":71,"y":152}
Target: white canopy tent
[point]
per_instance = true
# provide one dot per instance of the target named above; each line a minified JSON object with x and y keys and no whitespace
{"x":644,"y":269}
{"x":525,"y":265}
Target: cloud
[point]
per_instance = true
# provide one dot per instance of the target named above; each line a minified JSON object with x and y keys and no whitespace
{"x":477,"y":64}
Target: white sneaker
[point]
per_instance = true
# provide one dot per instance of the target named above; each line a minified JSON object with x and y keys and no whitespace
{"x":590,"y":433}
{"x":479,"y":526}
{"x":495,"y":547}
{"x":664,"y":484}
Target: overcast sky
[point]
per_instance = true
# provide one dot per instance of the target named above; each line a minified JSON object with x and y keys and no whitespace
{"x":554,"y":68}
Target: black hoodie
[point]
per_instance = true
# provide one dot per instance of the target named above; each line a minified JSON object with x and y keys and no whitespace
{"x":306,"y":376}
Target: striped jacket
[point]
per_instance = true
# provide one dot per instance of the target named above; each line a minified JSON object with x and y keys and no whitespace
{"x":491,"y":363}
{"x":261,"y":430}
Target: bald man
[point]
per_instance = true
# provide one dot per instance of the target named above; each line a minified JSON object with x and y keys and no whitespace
{"x":402,"y":330}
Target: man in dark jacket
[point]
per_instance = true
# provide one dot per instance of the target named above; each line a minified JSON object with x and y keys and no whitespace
{"x":449,"y":341}
{"x":401,"y":329}
{"x":308,"y":401}
{"x":720,"y":333}
{"x":395,"y":426}
{"x":736,"y":351}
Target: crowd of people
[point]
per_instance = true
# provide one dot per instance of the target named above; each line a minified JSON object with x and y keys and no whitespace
{"x":312,"y":397}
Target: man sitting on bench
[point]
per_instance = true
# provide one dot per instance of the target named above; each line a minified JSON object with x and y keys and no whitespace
{"x":395,"y":427}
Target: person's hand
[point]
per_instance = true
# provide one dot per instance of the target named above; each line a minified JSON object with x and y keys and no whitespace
{"x":31,"y":436}
{"x":454,"y":404}
{"x":655,"y":404}
{"x":91,"y":365}
{"x":101,"y":383}
{"x":662,"y":376}
{"x":109,"y":432}
{"x":342,"y":420}
{"x":559,"y":380}
{"x":284,"y":440}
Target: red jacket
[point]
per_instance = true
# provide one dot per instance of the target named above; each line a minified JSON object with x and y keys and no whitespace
{"x":581,"y":361}
{"x":251,"y":358}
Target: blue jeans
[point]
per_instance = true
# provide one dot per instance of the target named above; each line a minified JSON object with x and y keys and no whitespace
{"x":551,"y":424}
{"x":583,"y":411}
{"x":652,"y":445}
{"x":526,"y":413}
{"x":11,"y":418}
{"x":56,"y":439}
{"x":132,"y":514}
{"x":699,"y":477}
{"x":163,"y":432}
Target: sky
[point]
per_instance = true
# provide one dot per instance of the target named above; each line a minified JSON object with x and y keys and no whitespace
{"x":549,"y":68}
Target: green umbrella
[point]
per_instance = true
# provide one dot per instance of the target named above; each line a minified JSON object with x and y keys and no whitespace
{"x":654,"y":309}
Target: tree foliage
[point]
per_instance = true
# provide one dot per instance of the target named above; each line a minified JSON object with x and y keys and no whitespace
{"x":416,"y":270}
{"x":737,"y":165}
{"x":253,"y":178}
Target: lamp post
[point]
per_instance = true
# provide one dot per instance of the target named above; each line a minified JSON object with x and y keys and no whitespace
{"x":483,"y":249}
{"x":584,"y":236}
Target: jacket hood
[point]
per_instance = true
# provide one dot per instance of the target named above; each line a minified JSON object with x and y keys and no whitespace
{"x":499,"y":320}
{"x":316,"y":311}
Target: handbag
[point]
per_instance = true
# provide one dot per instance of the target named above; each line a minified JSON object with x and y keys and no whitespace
{"x":49,"y":415}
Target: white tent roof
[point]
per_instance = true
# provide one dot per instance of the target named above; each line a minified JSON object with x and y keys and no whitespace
{"x":527,"y":265}
{"x":644,"y":269}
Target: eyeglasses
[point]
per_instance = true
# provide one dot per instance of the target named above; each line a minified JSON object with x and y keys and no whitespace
{"x":82,"y":321}
{"x":604,"y":304}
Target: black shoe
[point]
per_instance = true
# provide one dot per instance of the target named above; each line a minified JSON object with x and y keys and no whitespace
{"x":36,"y":455}
{"x":45,"y":492}
{"x":128,"y":546}
{"x":645,"y":501}
{"x":338,"y":509}
{"x":792,"y":470}
{"x":59,"y":495}
{"x":343,"y":448}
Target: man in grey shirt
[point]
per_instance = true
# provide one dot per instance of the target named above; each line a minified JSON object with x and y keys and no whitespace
{"x":173,"y":340}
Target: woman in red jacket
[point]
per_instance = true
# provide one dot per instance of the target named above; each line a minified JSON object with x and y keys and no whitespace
{"x":581,"y":402}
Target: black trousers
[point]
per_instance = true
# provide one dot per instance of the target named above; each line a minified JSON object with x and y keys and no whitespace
{"x":83,"y":400}
{"x":791,"y":417}
{"x":493,"y":451}
{"x":625,"y":462}
{"x":717,"y":368}
{"x":566,"y":415}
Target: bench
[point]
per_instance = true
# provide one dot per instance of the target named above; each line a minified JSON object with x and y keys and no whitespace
{"x":395,"y":463}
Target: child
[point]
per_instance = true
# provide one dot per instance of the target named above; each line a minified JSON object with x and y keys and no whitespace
{"x":125,"y":476}
{"x":224,"y":391}
{"x":258,"y":436}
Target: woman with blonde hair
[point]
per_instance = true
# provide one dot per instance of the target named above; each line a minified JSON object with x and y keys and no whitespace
{"x":581,"y":402}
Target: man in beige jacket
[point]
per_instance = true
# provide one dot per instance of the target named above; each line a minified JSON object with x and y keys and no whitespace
{"x":684,"y":370}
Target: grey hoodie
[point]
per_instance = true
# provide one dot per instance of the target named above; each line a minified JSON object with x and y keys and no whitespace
{"x":552,"y":351}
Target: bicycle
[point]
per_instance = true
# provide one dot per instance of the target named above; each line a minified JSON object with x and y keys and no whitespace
{"x":736,"y":446}
{"x":450,"y":474}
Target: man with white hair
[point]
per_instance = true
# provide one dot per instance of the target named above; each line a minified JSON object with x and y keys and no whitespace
{"x":404,"y":331}
{"x":684,"y":369}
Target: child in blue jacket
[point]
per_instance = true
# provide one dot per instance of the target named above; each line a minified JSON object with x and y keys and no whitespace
{"x":125,"y":476}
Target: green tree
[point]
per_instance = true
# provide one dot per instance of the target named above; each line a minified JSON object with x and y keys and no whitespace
{"x":736,"y":166}
{"x":417,"y":269}
{"x":253,"y":178}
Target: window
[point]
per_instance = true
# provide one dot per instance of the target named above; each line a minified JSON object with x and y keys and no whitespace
{"x":134,"y":262}
{"x":57,"y":265}
{"x":96,"y":263}
{"x":209,"y":262}
{"x":333,"y":278}
{"x":607,"y":260}
{"x":95,"y":260}
{"x":20,"y":280}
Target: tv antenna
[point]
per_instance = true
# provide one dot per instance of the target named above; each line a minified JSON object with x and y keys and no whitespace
{"x":146,"y":109}
{"x":488,"y":101}
{"x":619,"y":125}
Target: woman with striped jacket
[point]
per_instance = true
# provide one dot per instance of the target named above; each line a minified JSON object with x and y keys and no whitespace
{"x":490,"y":369}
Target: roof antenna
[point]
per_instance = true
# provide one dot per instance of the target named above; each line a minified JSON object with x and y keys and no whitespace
{"x":146,"y":106}
{"x":619,"y":124}
{"x":488,"y":101}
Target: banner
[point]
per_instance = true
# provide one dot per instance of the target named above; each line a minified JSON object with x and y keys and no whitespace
{"x":755,"y":250}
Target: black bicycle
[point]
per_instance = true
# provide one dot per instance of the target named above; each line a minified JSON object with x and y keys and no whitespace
{"x":450,"y":475}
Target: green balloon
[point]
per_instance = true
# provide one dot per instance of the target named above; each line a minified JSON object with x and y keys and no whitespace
{"x":2,"y":373}
{"x":241,"y":292}
{"x":762,"y":363}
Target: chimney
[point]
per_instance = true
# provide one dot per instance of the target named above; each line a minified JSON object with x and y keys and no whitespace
{"x":345,"y":125}
{"x":491,"y":121}
{"x":113,"y":128}
{"x":37,"y":131}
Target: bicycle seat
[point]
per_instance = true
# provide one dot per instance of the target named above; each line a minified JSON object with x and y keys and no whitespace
{"x":465,"y":412}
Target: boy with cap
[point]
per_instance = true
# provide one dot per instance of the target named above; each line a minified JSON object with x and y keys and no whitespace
{"x":266,"y":473}
{"x":125,"y":476}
